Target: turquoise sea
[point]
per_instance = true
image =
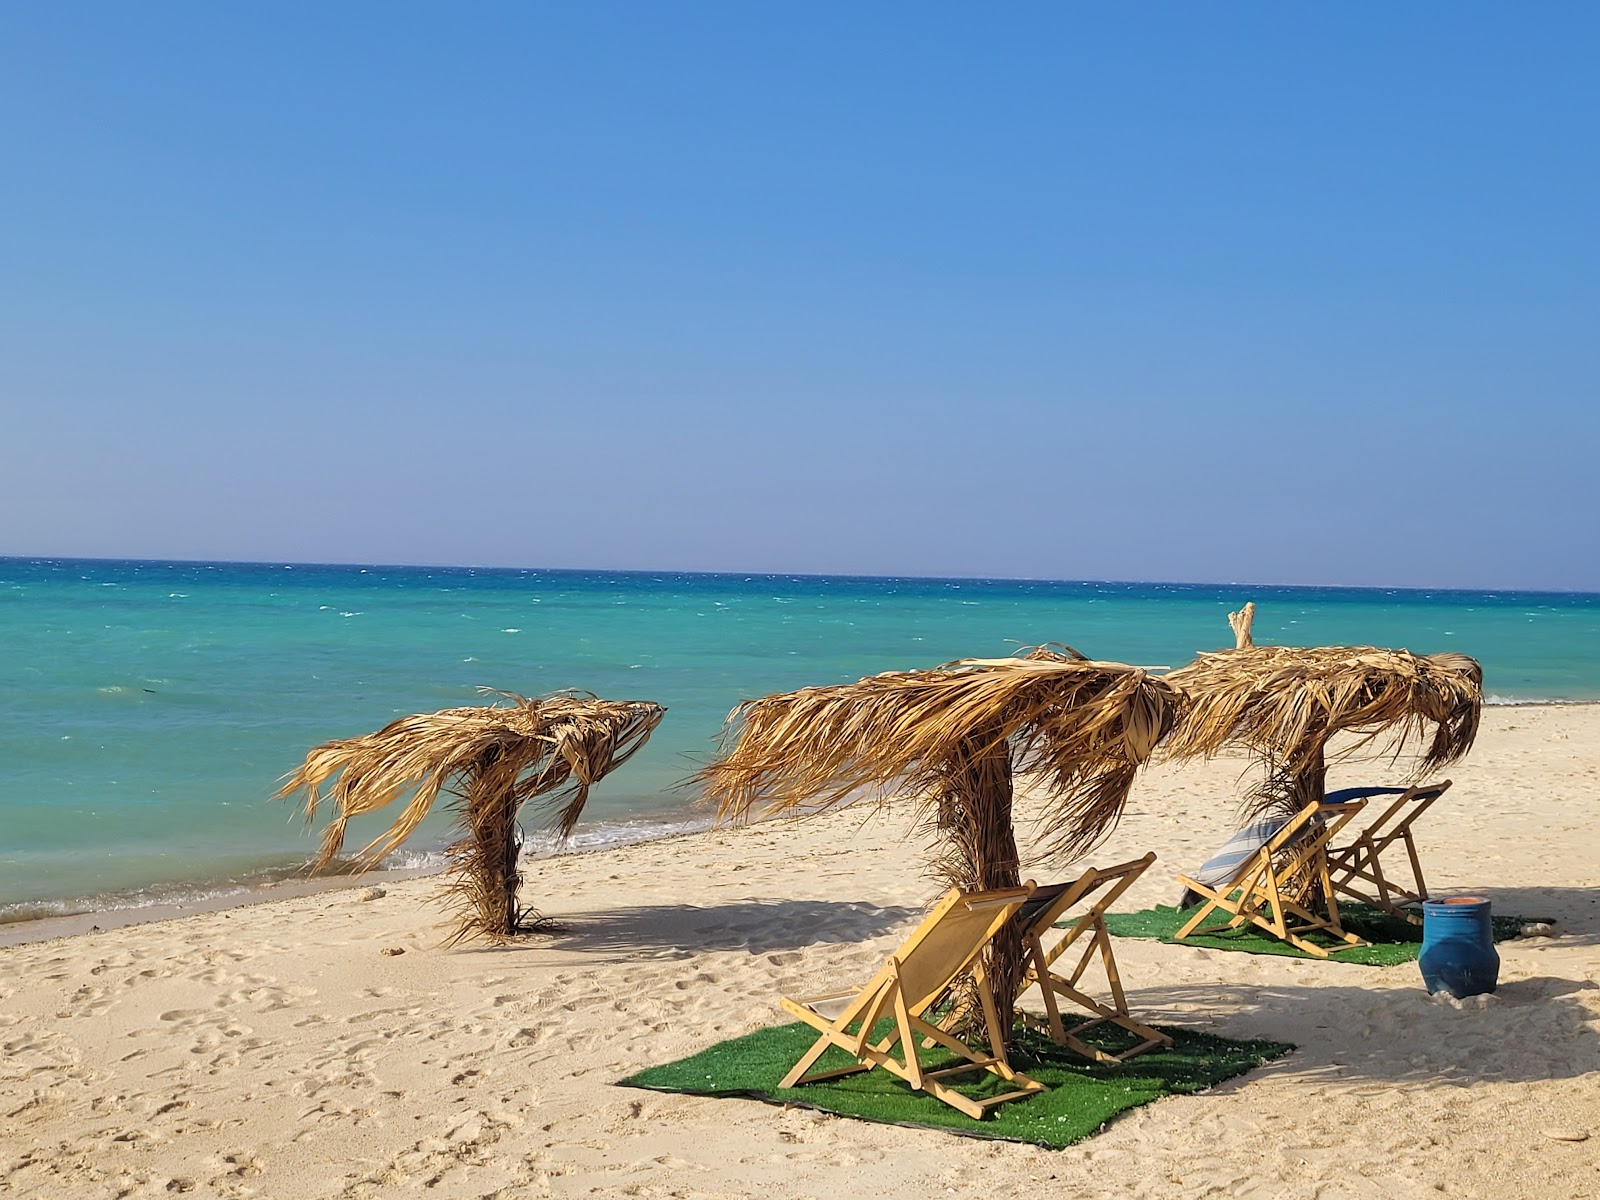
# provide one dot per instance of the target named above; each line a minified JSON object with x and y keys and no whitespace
{"x":147,"y":709}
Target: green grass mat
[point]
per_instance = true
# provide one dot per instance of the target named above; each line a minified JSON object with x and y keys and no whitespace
{"x":1393,"y":939}
{"x":1082,"y":1095}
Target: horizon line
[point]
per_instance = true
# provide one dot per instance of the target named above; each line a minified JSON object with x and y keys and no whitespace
{"x":367,"y":566}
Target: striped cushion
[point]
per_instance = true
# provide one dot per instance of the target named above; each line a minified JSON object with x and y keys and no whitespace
{"x":1225,"y":863}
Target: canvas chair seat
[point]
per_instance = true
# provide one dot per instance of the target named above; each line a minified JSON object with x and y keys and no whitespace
{"x":1242,"y":846}
{"x":1270,"y":886}
{"x":1235,"y":852}
{"x":1044,"y":916}
{"x":1355,"y":868}
{"x":947,"y":946}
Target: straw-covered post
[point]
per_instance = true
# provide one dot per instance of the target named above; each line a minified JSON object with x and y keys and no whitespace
{"x":951,"y":741}
{"x":485,"y":861}
{"x":495,"y":759}
{"x":1287,"y":704}
{"x":973,"y":813}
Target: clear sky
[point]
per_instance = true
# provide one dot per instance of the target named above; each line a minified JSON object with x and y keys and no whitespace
{"x":1213,"y":292}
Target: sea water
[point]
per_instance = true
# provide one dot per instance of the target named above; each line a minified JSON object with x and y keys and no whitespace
{"x":149,"y":709}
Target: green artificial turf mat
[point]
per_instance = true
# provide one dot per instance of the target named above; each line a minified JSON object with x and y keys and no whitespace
{"x":1394,"y":940}
{"x":1082,"y":1095}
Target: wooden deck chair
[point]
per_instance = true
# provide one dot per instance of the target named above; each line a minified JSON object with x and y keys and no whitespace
{"x":1270,"y":885}
{"x":1043,"y":916}
{"x":946,"y":946}
{"x":1356,"y":867}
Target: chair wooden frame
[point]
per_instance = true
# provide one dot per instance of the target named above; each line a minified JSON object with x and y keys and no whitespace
{"x":1269,"y":886}
{"x":1356,"y":869}
{"x":947,"y":945}
{"x":1087,"y":933}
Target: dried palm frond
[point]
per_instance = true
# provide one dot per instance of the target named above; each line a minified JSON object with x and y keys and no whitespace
{"x":1286,"y":703}
{"x":1082,"y":727}
{"x":495,"y":758}
{"x":951,"y":739}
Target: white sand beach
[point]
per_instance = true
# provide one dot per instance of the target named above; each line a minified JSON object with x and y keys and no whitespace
{"x":325,"y":1046}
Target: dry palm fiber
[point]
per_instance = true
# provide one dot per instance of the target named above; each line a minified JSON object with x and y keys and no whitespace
{"x":494,"y":758}
{"x":1285,"y":703}
{"x":951,"y":739}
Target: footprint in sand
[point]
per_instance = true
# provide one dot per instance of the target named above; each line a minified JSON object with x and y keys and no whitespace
{"x":186,"y":1016}
{"x":684,"y":985}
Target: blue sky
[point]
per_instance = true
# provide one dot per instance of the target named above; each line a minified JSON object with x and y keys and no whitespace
{"x":1234,"y":292}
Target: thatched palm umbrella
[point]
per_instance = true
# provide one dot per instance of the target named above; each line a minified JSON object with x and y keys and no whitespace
{"x":1286,"y":703}
{"x":495,"y":758}
{"x":951,"y":739}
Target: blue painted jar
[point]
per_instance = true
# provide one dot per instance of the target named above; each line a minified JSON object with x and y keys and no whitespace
{"x":1458,"y":954}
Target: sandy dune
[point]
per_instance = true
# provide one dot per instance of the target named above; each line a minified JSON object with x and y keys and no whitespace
{"x":285,"y":1049}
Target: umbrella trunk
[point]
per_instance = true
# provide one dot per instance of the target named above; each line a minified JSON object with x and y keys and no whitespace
{"x":974,"y":812}
{"x":1310,"y":784}
{"x":491,"y":853}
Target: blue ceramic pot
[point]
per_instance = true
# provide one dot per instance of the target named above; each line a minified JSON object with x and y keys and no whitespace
{"x":1458,"y":954}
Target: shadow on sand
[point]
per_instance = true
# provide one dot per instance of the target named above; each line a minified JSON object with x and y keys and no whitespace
{"x":1576,"y":910}
{"x":1400,"y":1035}
{"x":755,"y":926}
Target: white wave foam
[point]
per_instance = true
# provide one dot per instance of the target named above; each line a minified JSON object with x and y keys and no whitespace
{"x":414,"y":860}
{"x":607,"y":835}
{"x":33,"y":910}
{"x":1525,"y":701}
{"x":600,"y":836}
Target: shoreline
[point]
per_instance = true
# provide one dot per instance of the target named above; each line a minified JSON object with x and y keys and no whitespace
{"x":28,"y":930}
{"x":289,"y":883}
{"x":32,"y":930}
{"x":280,"y":882}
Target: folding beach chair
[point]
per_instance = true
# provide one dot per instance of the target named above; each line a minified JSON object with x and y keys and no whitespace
{"x":1355,"y":867}
{"x":1086,"y":933}
{"x":1264,"y":876}
{"x":946,"y":946}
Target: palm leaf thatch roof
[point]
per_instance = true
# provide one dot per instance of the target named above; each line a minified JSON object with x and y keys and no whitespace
{"x":1285,"y":703}
{"x":1083,"y":727}
{"x":553,"y":748}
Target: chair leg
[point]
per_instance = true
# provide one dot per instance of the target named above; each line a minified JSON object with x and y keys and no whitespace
{"x":1311,"y":922}
{"x":1416,"y":867}
{"x":797,"y":1073}
{"x":1378,"y":878}
{"x":1105,"y":1015}
{"x":1116,"y":1013}
{"x":1041,"y":971}
{"x":1212,"y":902}
{"x":1113,"y":976}
{"x":834,"y":1033}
